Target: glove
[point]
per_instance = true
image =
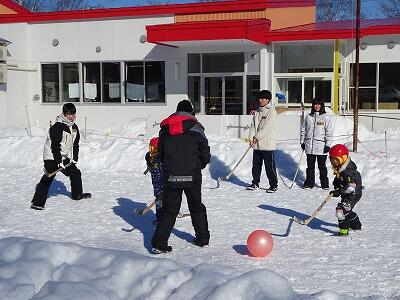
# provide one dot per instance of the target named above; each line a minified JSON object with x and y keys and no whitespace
{"x":303,"y":146}
{"x":326,"y":149}
{"x":335,"y":193}
{"x":66,"y":161}
{"x":346,"y":206}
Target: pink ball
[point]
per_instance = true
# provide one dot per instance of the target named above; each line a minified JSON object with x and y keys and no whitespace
{"x":260,"y":243}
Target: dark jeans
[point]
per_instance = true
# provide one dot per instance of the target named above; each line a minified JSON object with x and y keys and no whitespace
{"x":270,"y":168}
{"x":42,"y":189}
{"x":323,"y":172}
{"x":171,"y":205}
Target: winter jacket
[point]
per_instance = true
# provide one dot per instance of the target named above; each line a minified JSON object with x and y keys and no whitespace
{"x":348,"y":181}
{"x":183,"y":149}
{"x":316,"y":133}
{"x":155,"y":167}
{"x":263,"y":128}
{"x":62,"y":141}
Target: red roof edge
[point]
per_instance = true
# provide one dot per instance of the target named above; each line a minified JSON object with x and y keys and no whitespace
{"x":215,"y":30}
{"x":154,"y":10}
{"x":15,"y":7}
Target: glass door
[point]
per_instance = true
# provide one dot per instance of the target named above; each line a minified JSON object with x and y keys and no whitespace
{"x":213,"y":95}
{"x":223,"y":95}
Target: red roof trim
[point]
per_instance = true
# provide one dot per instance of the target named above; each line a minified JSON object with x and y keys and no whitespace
{"x":216,"y":30}
{"x":15,"y":7}
{"x":156,"y":10}
{"x":259,"y":31}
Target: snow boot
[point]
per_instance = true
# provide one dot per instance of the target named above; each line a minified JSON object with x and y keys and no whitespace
{"x":37,"y":207}
{"x":343,"y":232}
{"x":161,"y":249}
{"x":199,"y":243}
{"x":83,"y":196}
{"x":272,"y":190}
{"x":253,"y":187}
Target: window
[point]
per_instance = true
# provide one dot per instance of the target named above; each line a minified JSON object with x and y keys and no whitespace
{"x":223,"y":62}
{"x":50,"y":83}
{"x":389,"y":86}
{"x":155,"y":81}
{"x":91,"y":82}
{"x":367,"y":91}
{"x":134,"y":88}
{"x":194,"y":63}
{"x":111,"y":82}
{"x":70,"y":82}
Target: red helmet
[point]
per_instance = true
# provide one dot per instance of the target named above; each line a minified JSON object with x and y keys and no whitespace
{"x":338,"y":151}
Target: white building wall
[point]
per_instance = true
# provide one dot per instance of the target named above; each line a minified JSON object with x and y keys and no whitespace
{"x":17,"y":92}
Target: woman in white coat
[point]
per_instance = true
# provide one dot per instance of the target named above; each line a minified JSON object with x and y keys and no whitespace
{"x":316,"y":139}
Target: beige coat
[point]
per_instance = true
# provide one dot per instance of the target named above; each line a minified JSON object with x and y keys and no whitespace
{"x":263,"y":128}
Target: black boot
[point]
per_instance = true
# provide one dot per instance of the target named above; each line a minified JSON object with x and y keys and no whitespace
{"x":82,"y":196}
{"x":161,"y":249}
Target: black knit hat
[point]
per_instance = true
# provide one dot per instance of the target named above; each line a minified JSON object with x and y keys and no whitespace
{"x":186,"y":106}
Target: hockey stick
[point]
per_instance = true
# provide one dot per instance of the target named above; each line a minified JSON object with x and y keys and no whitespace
{"x":225,"y":178}
{"x":56,"y":171}
{"x":297,"y":170}
{"x":307,"y":221}
{"x":141,"y":212}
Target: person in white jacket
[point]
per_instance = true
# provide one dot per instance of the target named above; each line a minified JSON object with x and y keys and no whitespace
{"x":262,"y":138}
{"x":315,"y":140}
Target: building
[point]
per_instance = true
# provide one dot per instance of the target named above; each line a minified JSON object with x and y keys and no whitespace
{"x":124,"y":64}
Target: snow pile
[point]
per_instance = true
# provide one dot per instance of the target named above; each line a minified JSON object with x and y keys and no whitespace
{"x":45,"y":270}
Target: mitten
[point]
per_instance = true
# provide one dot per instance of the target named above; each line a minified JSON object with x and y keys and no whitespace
{"x":303,"y":146}
{"x":326,"y":149}
{"x":335,"y":193}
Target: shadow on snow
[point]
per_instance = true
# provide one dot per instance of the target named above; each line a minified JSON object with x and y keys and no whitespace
{"x":143,"y":223}
{"x":315,"y":224}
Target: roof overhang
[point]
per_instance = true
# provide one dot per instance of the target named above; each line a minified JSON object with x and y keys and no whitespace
{"x":139,"y":11}
{"x":334,"y":30}
{"x":212,"y":33}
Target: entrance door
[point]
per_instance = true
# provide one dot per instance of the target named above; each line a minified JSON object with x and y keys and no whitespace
{"x":223,"y":95}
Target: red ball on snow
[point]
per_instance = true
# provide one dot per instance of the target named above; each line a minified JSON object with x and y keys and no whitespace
{"x":260,"y":243}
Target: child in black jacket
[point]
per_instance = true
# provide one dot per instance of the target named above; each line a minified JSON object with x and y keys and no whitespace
{"x":347,"y":185}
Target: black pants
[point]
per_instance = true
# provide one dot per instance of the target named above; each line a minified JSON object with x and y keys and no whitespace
{"x":323,"y":172}
{"x":270,"y":168}
{"x":171,"y":205}
{"x":42,"y":189}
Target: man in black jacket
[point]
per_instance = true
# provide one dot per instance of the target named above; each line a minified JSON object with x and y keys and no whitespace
{"x":60,"y":153}
{"x":185,"y":152}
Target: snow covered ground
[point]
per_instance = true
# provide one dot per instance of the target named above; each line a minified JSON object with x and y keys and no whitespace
{"x":98,"y":249}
